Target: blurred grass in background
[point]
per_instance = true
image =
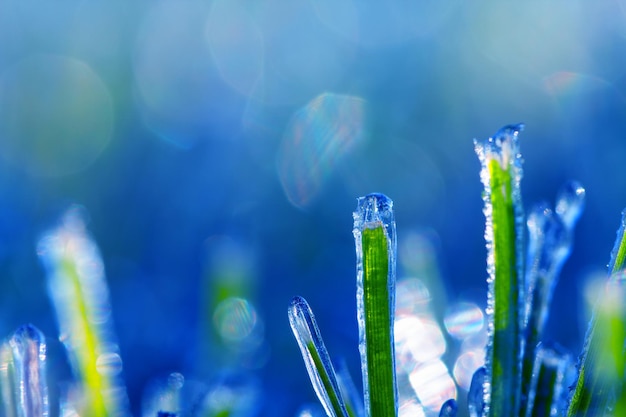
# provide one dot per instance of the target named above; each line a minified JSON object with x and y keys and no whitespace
{"x":219,"y":146}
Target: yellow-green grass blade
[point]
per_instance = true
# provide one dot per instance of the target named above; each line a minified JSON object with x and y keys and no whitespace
{"x":79,"y":294}
{"x":599,"y":383}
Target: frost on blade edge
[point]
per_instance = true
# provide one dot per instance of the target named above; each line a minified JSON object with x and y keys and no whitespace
{"x":618,"y":254}
{"x":375,"y":211}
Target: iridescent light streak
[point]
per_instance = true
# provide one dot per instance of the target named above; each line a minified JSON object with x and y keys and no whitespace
{"x":79,"y":293}
{"x":420,"y":344}
{"x":464,"y":320}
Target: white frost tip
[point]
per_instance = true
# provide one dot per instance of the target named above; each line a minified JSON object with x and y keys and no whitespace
{"x":372,"y":211}
{"x":503,"y":146}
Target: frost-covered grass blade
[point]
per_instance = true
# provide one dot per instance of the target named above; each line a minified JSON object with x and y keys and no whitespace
{"x":501,"y":175}
{"x":374,"y":233}
{"x":316,"y":358}
{"x":546,"y":393}
{"x":549,"y":245}
{"x":23,"y":374}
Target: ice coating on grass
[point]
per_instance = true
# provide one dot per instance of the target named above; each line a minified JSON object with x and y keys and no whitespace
{"x":78,"y":290}
{"x":550,"y":235}
{"x":449,"y":409}
{"x":476,"y":396}
{"x":551,"y":232}
{"x":373,"y":211}
{"x":8,"y":385}
{"x":22,"y":374}
{"x":549,"y":246}
{"x":550,"y":241}
{"x":547,"y":389}
{"x":28,"y":346}
{"x":503,"y":146}
{"x":570,"y":203}
{"x":316,"y":358}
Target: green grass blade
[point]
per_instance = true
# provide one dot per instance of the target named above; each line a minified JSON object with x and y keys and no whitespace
{"x":316,"y":358}
{"x":375,"y":239}
{"x":603,"y":349}
{"x":79,"y":294}
{"x":618,"y":254}
{"x":501,"y":175}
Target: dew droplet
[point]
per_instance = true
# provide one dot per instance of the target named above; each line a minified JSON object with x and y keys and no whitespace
{"x":570,"y":203}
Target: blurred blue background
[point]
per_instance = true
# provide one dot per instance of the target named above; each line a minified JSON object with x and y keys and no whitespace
{"x":219,"y":147}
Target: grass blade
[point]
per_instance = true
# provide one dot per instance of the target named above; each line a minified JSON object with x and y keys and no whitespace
{"x":603,"y":349}
{"x":549,"y":245}
{"x":477,"y":392}
{"x":28,"y":346}
{"x":9,"y":387}
{"x":501,"y":175}
{"x":375,"y":239}
{"x":79,"y":294}
{"x":316,"y":358}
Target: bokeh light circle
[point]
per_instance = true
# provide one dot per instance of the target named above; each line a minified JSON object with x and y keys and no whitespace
{"x":109,"y":364}
{"x":236,"y":44}
{"x":463,"y":320}
{"x":317,"y":139}
{"x":56,"y":115}
{"x":179,"y":88}
{"x":235,"y":319}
